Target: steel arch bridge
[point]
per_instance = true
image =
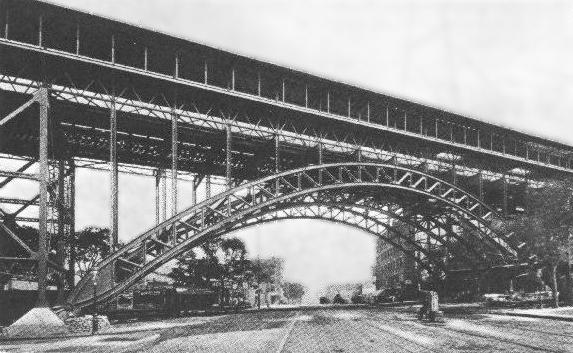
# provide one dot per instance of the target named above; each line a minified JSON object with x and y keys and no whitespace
{"x":81,"y":91}
{"x":301,"y":188}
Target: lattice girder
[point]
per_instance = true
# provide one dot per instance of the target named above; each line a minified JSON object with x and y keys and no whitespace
{"x":222,"y":211}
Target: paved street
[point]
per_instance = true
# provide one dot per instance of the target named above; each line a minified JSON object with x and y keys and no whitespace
{"x":326,"y":330}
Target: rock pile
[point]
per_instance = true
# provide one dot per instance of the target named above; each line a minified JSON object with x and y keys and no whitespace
{"x":83,"y":324}
{"x":36,"y":323}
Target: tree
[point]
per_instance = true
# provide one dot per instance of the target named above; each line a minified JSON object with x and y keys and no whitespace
{"x":191,"y":271}
{"x":293,"y":291}
{"x":218,"y":260}
{"x":268,"y":270}
{"x":234,"y":264}
{"x":546,"y":227}
{"x":92,"y":246}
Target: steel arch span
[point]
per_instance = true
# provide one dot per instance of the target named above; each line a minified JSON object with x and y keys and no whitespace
{"x":359,"y":188}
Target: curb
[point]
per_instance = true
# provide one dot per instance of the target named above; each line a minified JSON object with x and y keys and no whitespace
{"x":80,"y":335}
{"x":537,"y":316}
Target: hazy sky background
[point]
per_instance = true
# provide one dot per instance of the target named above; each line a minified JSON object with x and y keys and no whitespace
{"x":506,"y":62}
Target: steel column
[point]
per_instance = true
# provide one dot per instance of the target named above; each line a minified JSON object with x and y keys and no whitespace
{"x":78,"y":39}
{"x":6,"y":26}
{"x":72,"y":224}
{"x":163,"y":196}
{"x":207,"y":186}
{"x":43,"y":177}
{"x":229,"y":157}
{"x":41,"y":31}
{"x":113,"y":175}
{"x":480,"y":185}
{"x":113,"y":48}
{"x":259,"y":83}
{"x":174,"y":141}
{"x":145,"y":59}
{"x":61,"y":256}
{"x":320,"y":161}
{"x":174,"y":154}
{"x":206,"y":72}
{"x":277,"y":153}
{"x":277,"y":162}
{"x":504,"y":195}
{"x":232,"y":79}
{"x":157,"y":196}
{"x":194,"y":184}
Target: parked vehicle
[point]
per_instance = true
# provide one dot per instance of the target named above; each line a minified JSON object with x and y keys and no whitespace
{"x":389,"y":295}
{"x":165,"y":301}
{"x":517,"y":298}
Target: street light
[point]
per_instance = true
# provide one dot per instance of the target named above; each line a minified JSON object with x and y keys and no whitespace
{"x":94,"y":318}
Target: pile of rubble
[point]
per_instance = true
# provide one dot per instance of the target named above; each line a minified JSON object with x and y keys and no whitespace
{"x":84,"y":324}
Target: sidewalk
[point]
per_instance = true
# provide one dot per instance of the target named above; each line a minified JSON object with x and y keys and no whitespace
{"x":560,"y":314}
{"x":122,"y":328}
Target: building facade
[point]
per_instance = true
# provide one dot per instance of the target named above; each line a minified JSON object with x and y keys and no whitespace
{"x":393,"y":268}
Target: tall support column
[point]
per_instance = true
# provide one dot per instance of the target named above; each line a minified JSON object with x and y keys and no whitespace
{"x":174,"y":140}
{"x":277,"y":162}
{"x":163,"y":196}
{"x":480,"y":185}
{"x":158,"y":196}
{"x":43,"y":212}
{"x":60,"y":247}
{"x":194,"y":185}
{"x":229,"y":158}
{"x":277,"y":153}
{"x":72,"y":224}
{"x":114,"y":176}
{"x":207,"y":186}
{"x":320,"y":161}
{"x":504,"y":195}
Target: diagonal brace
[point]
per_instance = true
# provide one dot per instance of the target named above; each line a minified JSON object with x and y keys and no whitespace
{"x":20,"y":109}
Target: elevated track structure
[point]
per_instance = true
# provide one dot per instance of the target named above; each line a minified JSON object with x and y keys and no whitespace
{"x":82,"y":91}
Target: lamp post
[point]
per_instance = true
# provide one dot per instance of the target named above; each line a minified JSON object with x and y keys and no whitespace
{"x":94,"y":318}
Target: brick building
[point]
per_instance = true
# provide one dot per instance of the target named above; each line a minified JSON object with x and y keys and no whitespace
{"x":393,"y":267}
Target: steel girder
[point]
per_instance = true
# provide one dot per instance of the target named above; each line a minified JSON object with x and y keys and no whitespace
{"x":218,"y":213}
{"x":380,"y":212}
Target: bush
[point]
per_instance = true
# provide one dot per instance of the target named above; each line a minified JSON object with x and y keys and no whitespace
{"x":339,"y":300}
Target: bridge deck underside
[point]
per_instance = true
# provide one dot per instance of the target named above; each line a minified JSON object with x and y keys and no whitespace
{"x":83,"y":132}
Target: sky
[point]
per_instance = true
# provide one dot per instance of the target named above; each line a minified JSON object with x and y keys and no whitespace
{"x":505,"y":62}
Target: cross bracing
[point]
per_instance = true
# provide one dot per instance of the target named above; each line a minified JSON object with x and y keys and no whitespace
{"x":283,"y":144}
